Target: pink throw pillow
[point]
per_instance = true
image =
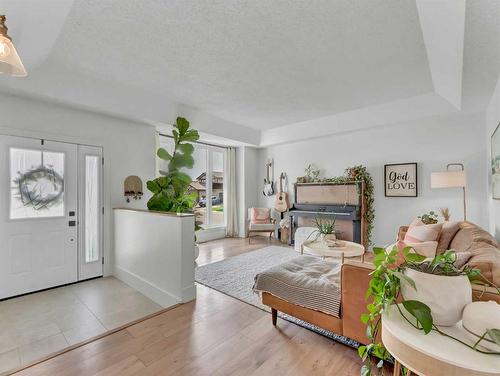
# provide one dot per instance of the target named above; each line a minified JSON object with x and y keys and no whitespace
{"x":427,"y":249}
{"x":260,"y":215}
{"x":419,"y":232}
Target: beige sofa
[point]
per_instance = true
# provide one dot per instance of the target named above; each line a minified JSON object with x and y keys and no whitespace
{"x":355,"y":278}
{"x":477,"y":245}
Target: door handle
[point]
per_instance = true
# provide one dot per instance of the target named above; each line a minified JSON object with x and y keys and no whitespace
{"x":72,"y":223}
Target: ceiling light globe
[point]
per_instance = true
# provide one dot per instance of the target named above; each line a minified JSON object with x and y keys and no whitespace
{"x":4,"y":49}
{"x":10,"y":63}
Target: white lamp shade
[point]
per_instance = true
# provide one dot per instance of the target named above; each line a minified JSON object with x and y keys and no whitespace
{"x":448,"y":179}
{"x":10,"y":63}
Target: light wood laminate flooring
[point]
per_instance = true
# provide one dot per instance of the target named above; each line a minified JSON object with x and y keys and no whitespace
{"x":213,"y":335}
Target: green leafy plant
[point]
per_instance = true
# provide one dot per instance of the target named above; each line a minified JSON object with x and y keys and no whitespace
{"x":312,"y":173}
{"x":384,"y":290}
{"x":429,"y":218}
{"x":324,"y":226}
{"x":170,"y":190}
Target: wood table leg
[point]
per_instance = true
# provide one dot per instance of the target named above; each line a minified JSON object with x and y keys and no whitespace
{"x":274,"y":314}
{"x":397,"y":368}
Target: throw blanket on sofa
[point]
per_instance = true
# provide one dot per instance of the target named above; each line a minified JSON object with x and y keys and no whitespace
{"x":306,"y":281}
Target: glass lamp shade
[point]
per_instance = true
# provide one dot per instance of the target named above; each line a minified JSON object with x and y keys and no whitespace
{"x":448,"y":179}
{"x":10,"y":63}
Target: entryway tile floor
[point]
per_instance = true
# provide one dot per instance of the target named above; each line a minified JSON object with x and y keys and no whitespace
{"x":36,"y":325}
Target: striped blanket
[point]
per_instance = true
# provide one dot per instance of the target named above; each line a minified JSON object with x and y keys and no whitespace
{"x":307,"y":281}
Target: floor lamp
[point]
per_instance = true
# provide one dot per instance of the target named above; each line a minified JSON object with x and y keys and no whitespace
{"x":451,"y":179}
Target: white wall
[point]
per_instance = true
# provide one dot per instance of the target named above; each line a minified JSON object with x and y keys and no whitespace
{"x":128,"y":146}
{"x":432,"y":143}
{"x":492,"y":121}
{"x":246,"y":180}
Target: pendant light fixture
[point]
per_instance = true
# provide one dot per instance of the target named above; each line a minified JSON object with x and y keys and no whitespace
{"x":10,"y":63}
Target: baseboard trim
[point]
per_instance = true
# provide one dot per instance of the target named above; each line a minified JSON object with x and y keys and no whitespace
{"x":188,"y":294}
{"x":153,"y":292}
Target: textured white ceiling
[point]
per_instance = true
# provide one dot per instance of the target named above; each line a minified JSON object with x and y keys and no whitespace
{"x":259,"y":72}
{"x":258,"y":63}
{"x":481,"y":53}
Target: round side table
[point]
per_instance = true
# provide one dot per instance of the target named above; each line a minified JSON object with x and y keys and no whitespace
{"x":433,"y":354}
{"x":318,"y":248}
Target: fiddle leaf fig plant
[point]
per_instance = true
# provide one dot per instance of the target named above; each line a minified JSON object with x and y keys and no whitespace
{"x":170,"y":190}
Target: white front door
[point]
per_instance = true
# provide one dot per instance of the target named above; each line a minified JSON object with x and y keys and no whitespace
{"x":38,"y":215}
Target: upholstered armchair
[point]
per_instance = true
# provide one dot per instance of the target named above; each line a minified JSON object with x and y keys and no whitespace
{"x":262,"y":220}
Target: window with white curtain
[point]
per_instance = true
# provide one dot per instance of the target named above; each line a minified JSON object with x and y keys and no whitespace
{"x":207,"y":183}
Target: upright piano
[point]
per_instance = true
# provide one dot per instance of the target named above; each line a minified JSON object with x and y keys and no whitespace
{"x":342,"y":201}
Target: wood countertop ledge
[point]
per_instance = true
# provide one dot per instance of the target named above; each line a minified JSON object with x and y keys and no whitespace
{"x":168,"y":214}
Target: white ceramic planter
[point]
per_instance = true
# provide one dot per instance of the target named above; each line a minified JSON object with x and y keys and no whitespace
{"x":446,"y":296}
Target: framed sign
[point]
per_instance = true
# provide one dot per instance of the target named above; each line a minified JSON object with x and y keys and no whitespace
{"x":401,"y":180}
{"x":495,"y":164}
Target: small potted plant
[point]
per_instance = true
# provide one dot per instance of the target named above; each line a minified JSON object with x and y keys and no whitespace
{"x":429,"y":218}
{"x":325,"y":230}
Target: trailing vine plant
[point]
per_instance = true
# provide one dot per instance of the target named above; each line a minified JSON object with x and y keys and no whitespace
{"x":355,"y":174}
{"x":384,"y":290}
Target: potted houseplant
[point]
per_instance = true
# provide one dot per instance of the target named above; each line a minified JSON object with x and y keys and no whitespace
{"x":325,"y":230}
{"x":170,"y":190}
{"x":444,"y":288}
{"x":385,"y":288}
{"x":429,"y":218}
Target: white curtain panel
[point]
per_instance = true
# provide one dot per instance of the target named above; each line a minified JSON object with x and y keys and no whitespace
{"x":230,"y":208}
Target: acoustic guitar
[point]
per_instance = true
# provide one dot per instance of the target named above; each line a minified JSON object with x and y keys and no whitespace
{"x":281,"y":203}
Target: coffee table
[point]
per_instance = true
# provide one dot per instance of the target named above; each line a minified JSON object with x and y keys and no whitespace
{"x":433,"y":354}
{"x":318,"y":248}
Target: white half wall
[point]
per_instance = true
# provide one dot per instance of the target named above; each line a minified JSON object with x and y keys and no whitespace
{"x":129,"y":147}
{"x":432,"y":142}
{"x":154,"y":253}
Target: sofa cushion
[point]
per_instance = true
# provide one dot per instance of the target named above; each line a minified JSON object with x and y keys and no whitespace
{"x":261,"y":227}
{"x":448,"y":231}
{"x":470,"y":233}
{"x":486,"y":258}
{"x":260,"y":215}
{"x":419,"y":232}
{"x":461,"y":258}
{"x":427,"y":249}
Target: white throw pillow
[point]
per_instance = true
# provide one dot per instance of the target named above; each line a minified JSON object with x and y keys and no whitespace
{"x":419,"y":232}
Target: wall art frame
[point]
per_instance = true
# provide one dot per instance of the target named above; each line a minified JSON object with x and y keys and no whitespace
{"x":401,"y":180}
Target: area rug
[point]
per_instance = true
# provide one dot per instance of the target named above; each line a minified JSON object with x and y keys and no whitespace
{"x":235,"y":277}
